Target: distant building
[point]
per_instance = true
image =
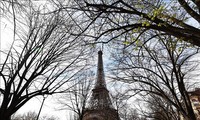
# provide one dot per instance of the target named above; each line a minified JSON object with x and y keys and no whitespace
{"x":100,"y":106}
{"x":195,"y":100}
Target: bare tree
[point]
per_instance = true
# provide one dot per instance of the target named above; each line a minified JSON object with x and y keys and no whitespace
{"x":32,"y":116}
{"x":162,"y":68}
{"x":105,"y":20}
{"x":121,"y":101}
{"x":44,"y":56}
{"x":76,"y":100}
{"x":115,"y":18}
{"x":126,"y":112}
{"x":27,"y":116}
{"x":157,"y":108}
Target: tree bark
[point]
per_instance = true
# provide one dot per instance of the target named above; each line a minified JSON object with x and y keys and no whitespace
{"x":5,"y":115}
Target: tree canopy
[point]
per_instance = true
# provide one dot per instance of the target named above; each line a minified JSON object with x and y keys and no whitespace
{"x":153,"y":42}
{"x":116,"y":18}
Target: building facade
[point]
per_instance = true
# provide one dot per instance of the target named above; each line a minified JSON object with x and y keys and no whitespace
{"x":195,"y":100}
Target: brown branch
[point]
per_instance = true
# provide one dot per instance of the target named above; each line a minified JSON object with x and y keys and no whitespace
{"x":189,"y":10}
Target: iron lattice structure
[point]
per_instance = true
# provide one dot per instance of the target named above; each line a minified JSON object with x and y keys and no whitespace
{"x":100,"y":106}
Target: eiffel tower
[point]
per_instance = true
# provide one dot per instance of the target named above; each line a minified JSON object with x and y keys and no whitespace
{"x":100,"y":106}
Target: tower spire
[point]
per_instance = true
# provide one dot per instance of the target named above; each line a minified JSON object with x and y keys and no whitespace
{"x":100,"y":72}
{"x":100,"y":105}
{"x":100,"y":95}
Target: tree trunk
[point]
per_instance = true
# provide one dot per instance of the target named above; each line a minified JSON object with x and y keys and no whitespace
{"x":191,"y":115}
{"x":5,"y":117}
